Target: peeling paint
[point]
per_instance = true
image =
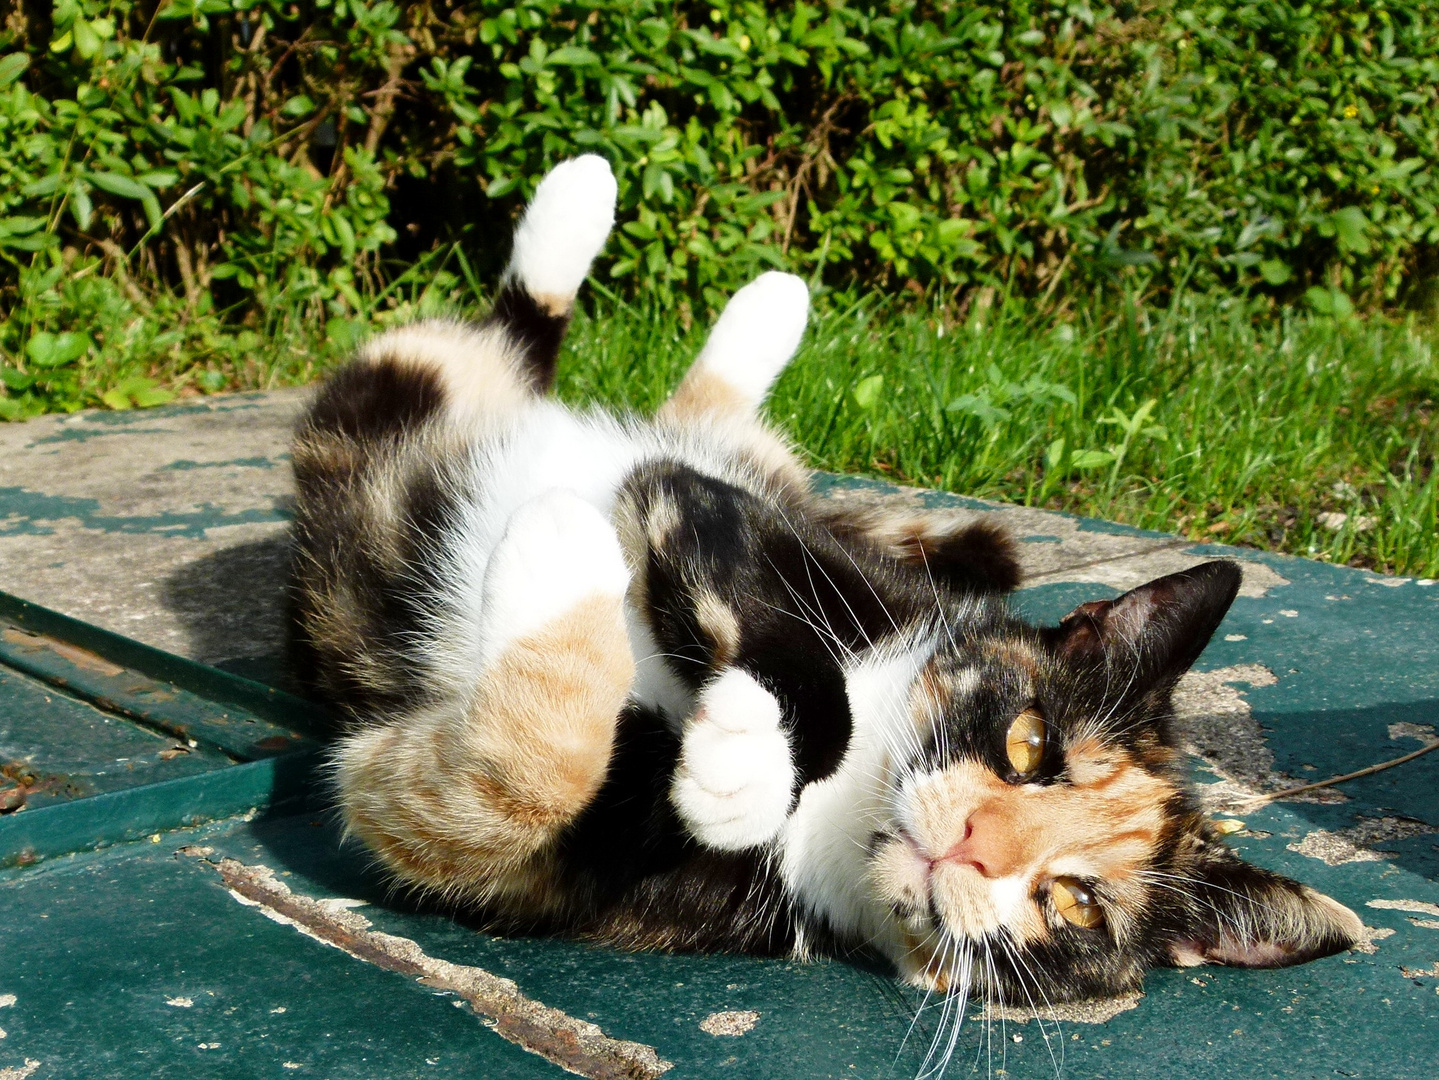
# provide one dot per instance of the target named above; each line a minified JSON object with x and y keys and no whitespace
{"x":1356,"y":844}
{"x":1373,"y":934}
{"x":1418,"y":907}
{"x":575,"y":1045}
{"x":729,"y":1023}
{"x":1097,"y":1011}
{"x":1423,"y":732}
{"x":32,"y":513}
{"x":1216,"y":724}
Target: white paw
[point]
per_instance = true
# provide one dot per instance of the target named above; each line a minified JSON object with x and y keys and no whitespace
{"x":735,"y":778}
{"x":557,"y":551}
{"x":565,"y":226}
{"x":757,"y":333}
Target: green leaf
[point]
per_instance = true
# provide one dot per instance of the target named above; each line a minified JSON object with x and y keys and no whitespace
{"x":979,"y":406}
{"x":116,"y":184}
{"x":1090,"y":459}
{"x":1319,"y":299}
{"x":150,"y":396}
{"x":20,"y":226}
{"x":48,"y":350}
{"x":115,"y":399}
{"x":151,"y":206}
{"x":16,"y":380}
{"x":866,"y":391}
{"x":298,"y":106}
{"x":1352,"y":229}
{"x":573,"y":56}
{"x":87,"y":42}
{"x":1274,"y":271}
{"x":12,"y":67}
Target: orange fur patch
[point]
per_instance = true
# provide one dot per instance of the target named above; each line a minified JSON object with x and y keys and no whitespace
{"x":467,"y":800}
{"x":703,"y":393}
{"x":1102,"y":826}
{"x":478,"y":365}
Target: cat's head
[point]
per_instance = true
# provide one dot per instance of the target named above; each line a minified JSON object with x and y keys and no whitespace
{"x":1040,"y":838}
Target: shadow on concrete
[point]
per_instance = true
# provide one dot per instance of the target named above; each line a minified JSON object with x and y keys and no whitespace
{"x":232,"y":605}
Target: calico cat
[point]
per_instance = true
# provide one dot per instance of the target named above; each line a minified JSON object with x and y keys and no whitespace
{"x":627,"y":679}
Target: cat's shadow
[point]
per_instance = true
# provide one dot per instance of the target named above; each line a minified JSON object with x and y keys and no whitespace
{"x":232,"y":605}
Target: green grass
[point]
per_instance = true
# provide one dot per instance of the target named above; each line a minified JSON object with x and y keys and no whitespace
{"x":1198,"y":419}
{"x":1194,"y":420}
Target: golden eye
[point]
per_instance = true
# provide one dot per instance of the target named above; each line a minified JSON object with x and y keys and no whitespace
{"x":1025,"y":742}
{"x":1075,"y":903}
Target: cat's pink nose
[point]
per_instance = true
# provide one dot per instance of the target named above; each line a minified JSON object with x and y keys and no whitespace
{"x":982,"y":846}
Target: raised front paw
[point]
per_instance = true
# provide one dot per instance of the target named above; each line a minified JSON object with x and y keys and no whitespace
{"x":735,"y":780}
{"x":557,"y":552}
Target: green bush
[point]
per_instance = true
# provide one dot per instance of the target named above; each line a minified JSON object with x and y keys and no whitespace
{"x":185,"y":182}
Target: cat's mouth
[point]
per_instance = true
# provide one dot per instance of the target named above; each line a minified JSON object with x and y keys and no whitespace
{"x":945,"y":894}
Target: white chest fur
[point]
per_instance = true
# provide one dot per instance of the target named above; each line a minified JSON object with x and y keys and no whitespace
{"x":825,"y":844}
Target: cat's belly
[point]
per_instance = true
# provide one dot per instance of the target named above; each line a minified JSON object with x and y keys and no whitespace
{"x":552,"y":449}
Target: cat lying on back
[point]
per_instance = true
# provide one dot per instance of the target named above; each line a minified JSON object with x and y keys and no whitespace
{"x":627,"y":679}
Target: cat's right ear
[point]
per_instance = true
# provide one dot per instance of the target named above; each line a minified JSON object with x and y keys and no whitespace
{"x":1158,"y":629}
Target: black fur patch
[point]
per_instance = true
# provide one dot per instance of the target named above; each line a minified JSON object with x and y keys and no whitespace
{"x":978,"y":558}
{"x":379,"y":400}
{"x":644,"y":882}
{"x":538,"y":333}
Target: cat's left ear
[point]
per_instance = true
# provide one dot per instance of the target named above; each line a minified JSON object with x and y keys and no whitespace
{"x":1159,"y":628}
{"x":1244,"y":916}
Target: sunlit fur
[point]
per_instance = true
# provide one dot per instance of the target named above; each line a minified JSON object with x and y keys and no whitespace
{"x":626,"y":679}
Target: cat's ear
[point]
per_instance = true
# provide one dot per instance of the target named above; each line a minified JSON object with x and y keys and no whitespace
{"x":1244,"y":916}
{"x":1159,"y":628}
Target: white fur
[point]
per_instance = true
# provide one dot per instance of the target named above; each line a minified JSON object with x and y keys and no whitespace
{"x":825,"y":845}
{"x":656,"y":685}
{"x":557,"y":551}
{"x":564,"y":227}
{"x":735,"y":778}
{"x":757,"y":333}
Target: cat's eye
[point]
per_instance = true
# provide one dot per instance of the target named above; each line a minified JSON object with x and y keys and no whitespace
{"x":1076,"y":903}
{"x":1024,"y":744}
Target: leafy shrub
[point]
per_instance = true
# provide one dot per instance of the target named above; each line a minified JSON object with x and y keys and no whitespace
{"x":184,"y":181}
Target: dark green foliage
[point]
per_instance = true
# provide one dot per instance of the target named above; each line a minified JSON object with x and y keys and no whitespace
{"x":180,"y":176}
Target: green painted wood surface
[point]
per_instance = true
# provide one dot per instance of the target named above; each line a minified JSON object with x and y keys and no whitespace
{"x":105,"y":948}
{"x":104,"y":740}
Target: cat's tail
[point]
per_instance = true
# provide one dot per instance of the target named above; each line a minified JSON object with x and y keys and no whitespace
{"x":562,"y":231}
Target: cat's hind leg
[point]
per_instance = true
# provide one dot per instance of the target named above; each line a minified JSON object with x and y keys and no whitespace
{"x":467,"y":796}
{"x":473,"y":370}
{"x":754,"y":338}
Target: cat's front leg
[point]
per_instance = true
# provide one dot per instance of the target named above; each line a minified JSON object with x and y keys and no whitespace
{"x":735,"y":781}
